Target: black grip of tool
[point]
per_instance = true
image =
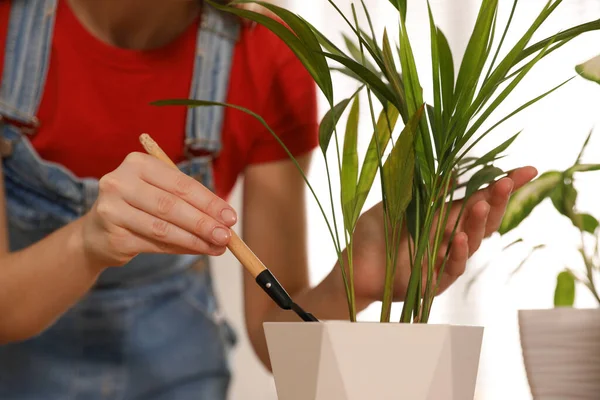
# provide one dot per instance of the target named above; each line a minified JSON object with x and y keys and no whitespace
{"x":271,"y":285}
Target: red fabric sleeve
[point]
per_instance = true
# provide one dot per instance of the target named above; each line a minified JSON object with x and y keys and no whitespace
{"x":4,"y":19}
{"x":290,"y":110}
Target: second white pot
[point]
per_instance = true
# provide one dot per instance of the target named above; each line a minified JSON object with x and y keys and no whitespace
{"x":561,"y":352}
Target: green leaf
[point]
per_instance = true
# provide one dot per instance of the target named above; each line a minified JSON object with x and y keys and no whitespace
{"x":493,"y":154}
{"x":367,"y":77}
{"x":416,"y":209}
{"x":414,"y":100}
{"x":324,"y":41}
{"x":590,"y":69}
{"x":583,"y":168}
{"x":564,"y":294}
{"x":466,"y":160}
{"x":586,"y":223}
{"x":431,"y":118}
{"x":482,"y":177}
{"x":392,"y":74}
{"x":300,"y":39}
{"x":383,"y":132}
{"x":508,"y":23}
{"x":349,"y":73}
{"x":371,"y":40}
{"x":512,"y":114}
{"x":372,"y":47}
{"x":436,"y":125}
{"x":400,"y":6}
{"x":475,"y":53}
{"x":399,"y":168}
{"x":350,"y":165}
{"x":500,"y":72}
{"x":561,"y":37}
{"x":564,"y":197}
{"x":329,"y":122}
{"x":585,"y":144}
{"x":355,"y":52}
{"x":511,"y":58}
{"x":364,"y":39}
{"x":502,"y":96}
{"x":525,"y":199}
{"x":446,"y":76}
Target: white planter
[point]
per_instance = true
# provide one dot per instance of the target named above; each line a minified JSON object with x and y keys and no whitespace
{"x":373,"y":361}
{"x":561,"y":352}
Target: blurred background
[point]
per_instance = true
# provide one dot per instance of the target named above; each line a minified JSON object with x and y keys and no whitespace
{"x":553,"y":133}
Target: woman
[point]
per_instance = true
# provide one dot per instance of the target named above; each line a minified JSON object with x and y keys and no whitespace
{"x":105,"y":288}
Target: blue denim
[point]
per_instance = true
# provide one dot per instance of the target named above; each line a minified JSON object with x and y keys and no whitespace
{"x":164,"y":340}
{"x":152,"y":328}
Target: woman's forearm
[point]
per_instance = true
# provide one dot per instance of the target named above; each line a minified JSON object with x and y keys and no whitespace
{"x":41,"y":282}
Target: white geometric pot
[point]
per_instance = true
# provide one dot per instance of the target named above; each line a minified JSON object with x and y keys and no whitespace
{"x":373,"y":361}
{"x":561,"y":352}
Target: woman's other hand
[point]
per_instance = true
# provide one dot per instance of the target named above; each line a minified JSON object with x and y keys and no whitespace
{"x":482,"y":217}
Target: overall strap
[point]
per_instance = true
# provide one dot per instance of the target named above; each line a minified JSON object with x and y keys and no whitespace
{"x":216,"y":40}
{"x":26,"y":59}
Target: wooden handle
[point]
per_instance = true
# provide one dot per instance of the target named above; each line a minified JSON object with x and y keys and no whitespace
{"x":242,"y":252}
{"x":236,"y":245}
{"x":154,"y":149}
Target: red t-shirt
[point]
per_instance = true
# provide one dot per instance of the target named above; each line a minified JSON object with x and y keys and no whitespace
{"x":97,"y":99}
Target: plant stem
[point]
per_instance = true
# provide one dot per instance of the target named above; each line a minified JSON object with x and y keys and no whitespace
{"x":589,"y":266}
{"x":413,"y":294}
{"x":337,"y":240}
{"x":351,"y":273}
{"x":384,"y":315}
{"x":417,"y":236}
{"x":460,"y":213}
{"x":390,"y":272}
{"x":442,"y":221}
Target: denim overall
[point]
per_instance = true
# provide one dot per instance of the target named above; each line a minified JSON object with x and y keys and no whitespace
{"x":150,"y":329}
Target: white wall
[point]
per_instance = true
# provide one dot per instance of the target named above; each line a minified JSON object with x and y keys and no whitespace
{"x":553,"y":133}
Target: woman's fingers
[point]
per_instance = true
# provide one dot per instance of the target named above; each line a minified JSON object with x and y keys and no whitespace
{"x":157,"y":173}
{"x":475,"y":224}
{"x":159,"y":235}
{"x":496,"y":195}
{"x":154,"y":246}
{"x":519,"y":177}
{"x":167,"y":207}
{"x":458,"y":257}
{"x":500,"y":194}
{"x":146,"y":206}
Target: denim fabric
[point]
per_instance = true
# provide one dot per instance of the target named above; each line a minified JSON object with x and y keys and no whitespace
{"x":164,"y":340}
{"x":30,"y":26}
{"x":147,"y":330}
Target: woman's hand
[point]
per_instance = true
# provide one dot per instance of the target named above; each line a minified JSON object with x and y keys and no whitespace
{"x":482,"y":217}
{"x":145,"y":206}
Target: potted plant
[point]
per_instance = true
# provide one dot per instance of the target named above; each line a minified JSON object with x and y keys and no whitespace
{"x":559,"y":344}
{"x":423,"y":164}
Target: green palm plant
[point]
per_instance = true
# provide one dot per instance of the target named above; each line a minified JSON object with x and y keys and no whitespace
{"x":427,"y":165}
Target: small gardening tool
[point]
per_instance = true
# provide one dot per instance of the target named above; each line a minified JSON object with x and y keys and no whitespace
{"x":264,"y":278}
